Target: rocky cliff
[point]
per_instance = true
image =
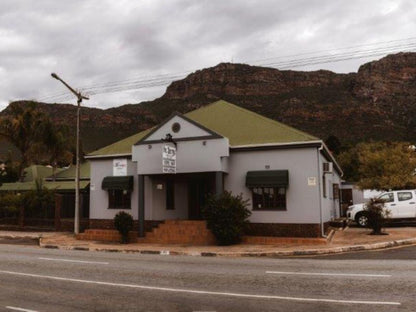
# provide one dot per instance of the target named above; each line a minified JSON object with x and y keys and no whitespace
{"x":378,"y":102}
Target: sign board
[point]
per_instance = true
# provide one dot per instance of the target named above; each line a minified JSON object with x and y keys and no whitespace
{"x":169,"y":159}
{"x":312,"y":181}
{"x":119,"y":167}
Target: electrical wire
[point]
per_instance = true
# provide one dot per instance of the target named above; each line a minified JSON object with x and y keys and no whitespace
{"x":400,"y":45}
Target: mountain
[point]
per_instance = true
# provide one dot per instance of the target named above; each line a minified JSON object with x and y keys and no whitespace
{"x":378,"y":102}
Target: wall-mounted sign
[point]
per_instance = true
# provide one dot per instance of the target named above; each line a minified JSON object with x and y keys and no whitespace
{"x":169,"y":159}
{"x":119,"y":167}
{"x":312,"y":181}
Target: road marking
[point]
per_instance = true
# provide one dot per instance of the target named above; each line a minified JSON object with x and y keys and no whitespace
{"x":70,"y":260}
{"x":201,"y":292}
{"x":19,"y":309}
{"x":327,"y":274}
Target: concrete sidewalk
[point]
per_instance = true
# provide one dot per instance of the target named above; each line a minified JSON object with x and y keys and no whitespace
{"x":349,"y":239}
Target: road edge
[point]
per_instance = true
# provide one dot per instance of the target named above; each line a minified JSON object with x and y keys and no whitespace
{"x":279,"y":253}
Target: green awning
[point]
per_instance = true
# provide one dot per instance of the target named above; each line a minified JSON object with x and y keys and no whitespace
{"x":267,"y":178}
{"x":117,"y":183}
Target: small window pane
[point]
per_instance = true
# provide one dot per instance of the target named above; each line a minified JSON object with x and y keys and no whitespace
{"x":119,"y":199}
{"x":404,"y":196}
{"x":269,"y":198}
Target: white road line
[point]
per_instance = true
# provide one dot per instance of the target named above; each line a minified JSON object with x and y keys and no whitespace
{"x":19,"y":309}
{"x":327,"y":274}
{"x":201,"y":292}
{"x":70,"y":260}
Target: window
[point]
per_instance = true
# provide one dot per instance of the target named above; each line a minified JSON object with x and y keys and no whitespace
{"x":388,"y":197}
{"x":170,"y":194}
{"x":119,"y":199}
{"x":402,"y":196}
{"x":324,"y":185}
{"x":269,"y":198}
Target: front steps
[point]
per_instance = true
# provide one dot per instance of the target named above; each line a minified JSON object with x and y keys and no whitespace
{"x":187,"y":232}
{"x":105,"y":236}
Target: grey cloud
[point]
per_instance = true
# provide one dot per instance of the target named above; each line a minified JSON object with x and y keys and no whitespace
{"x":91,"y":42}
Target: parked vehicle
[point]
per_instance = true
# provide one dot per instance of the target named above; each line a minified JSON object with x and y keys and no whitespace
{"x":401,"y":204}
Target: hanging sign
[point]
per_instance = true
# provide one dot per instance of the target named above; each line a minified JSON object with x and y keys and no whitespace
{"x":169,"y":159}
{"x":119,"y":167}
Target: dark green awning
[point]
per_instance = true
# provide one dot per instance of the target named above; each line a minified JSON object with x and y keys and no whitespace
{"x":117,"y":183}
{"x":267,"y":178}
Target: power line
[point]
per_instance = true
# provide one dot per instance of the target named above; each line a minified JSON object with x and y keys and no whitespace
{"x":392,"y":46}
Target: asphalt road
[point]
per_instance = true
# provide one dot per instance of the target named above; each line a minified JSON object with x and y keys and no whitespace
{"x":35,"y":279}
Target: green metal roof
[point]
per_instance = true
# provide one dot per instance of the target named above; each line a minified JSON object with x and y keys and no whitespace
{"x":58,"y":185}
{"x":120,"y":147}
{"x":35,"y":172}
{"x":244,"y":127}
{"x":239,"y":125}
{"x":69,"y":173}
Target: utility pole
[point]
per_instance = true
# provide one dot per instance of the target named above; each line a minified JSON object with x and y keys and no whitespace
{"x":80,"y":97}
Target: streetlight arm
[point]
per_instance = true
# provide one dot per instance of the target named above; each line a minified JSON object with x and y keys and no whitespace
{"x":78,"y":94}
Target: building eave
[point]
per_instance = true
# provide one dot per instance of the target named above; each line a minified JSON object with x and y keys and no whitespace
{"x":110,"y":156}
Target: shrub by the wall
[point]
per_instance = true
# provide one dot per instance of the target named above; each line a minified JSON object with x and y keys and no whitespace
{"x":226,"y":216}
{"x":123,"y":222}
{"x":377,"y":215}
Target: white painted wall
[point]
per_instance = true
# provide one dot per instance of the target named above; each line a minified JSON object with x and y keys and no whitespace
{"x":188,"y":130}
{"x":302,"y":199}
{"x":159,"y":211}
{"x":330,"y":206}
{"x":99,"y":197}
{"x":191,"y":156}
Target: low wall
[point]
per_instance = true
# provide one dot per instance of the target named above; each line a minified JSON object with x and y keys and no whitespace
{"x":283,"y":230}
{"x":108,"y":224}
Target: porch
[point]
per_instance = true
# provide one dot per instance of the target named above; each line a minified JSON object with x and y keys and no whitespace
{"x":176,"y":197}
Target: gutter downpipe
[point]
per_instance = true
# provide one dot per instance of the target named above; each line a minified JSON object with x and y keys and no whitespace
{"x":320,"y":190}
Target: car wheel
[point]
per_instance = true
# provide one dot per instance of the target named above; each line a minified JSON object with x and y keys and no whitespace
{"x":361,"y":219}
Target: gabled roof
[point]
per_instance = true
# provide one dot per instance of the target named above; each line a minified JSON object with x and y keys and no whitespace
{"x":244,"y":127}
{"x":35,"y":172}
{"x":241,"y":126}
{"x":58,"y":185}
{"x":122,"y":147}
{"x":69,"y":173}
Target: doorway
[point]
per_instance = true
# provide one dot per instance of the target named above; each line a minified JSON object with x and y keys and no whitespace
{"x":199,"y":188}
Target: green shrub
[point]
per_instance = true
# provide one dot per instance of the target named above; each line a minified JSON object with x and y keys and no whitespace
{"x":39,"y":202}
{"x":377,"y":215}
{"x":123,"y":222}
{"x":10,"y":204}
{"x":227,"y":217}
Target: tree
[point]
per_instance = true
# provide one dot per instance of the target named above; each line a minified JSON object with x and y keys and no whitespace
{"x":57,"y":146}
{"x":8,"y":171}
{"x":385,"y":166}
{"x":36,"y":137}
{"x":333,"y":144}
{"x":23,"y":129}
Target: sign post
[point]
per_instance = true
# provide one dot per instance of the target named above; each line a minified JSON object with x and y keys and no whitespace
{"x":169,"y":159}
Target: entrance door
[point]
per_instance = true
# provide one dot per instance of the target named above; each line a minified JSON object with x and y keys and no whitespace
{"x":198,"y":190}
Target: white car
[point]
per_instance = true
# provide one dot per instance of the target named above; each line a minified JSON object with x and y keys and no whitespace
{"x":401,"y":204}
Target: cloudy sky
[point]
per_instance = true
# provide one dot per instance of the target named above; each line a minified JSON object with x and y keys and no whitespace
{"x":136,"y":47}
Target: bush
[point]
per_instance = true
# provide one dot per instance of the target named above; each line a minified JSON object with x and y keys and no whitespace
{"x":227,"y":217}
{"x":123,"y":222}
{"x":377,"y":215}
{"x":10,"y":204}
{"x":39,"y":202}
